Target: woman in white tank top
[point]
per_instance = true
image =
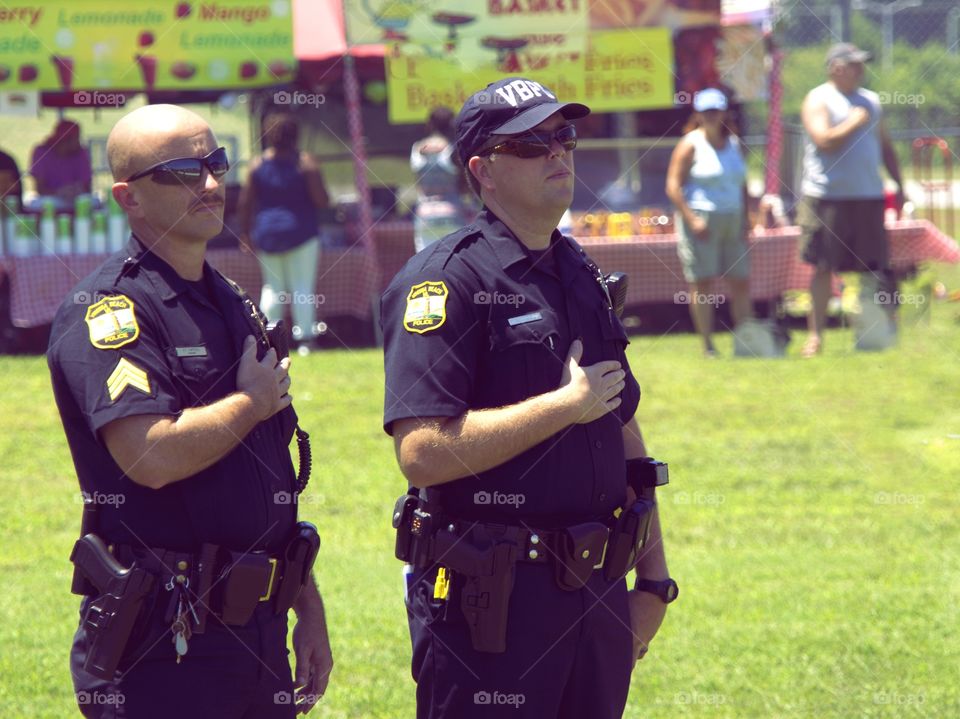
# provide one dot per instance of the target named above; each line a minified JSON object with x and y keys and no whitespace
{"x":706,"y":181}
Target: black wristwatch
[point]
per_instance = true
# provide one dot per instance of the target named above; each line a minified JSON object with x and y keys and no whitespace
{"x":667,"y":590}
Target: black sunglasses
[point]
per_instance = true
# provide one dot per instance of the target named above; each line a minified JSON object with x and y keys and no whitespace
{"x":186,"y":170}
{"x":536,"y":144}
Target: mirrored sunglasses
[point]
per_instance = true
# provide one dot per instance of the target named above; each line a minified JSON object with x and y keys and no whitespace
{"x":536,"y":144}
{"x":186,"y":170}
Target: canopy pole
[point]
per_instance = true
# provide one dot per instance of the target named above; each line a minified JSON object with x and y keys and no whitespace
{"x":772,"y":184}
{"x":351,"y":90}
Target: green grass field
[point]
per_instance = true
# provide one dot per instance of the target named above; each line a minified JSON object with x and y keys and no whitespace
{"x":811,"y":522}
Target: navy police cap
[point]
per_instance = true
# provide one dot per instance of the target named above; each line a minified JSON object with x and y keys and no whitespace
{"x":507,"y":107}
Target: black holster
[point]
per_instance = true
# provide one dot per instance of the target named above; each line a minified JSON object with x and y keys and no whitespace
{"x":110,"y":617}
{"x":487,"y":563}
{"x":298,"y":557}
{"x":628,"y":537}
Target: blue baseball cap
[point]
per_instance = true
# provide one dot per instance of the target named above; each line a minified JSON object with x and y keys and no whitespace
{"x":709,"y":99}
{"x":510,"y":106}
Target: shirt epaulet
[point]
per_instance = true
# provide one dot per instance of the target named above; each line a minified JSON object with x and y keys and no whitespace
{"x":454,"y":241}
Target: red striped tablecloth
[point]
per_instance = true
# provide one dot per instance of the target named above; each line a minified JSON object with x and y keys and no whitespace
{"x":347,"y":281}
{"x":656,"y":274}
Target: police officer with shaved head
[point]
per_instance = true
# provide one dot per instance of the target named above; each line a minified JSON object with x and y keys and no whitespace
{"x":512,"y":408}
{"x":177,"y":411}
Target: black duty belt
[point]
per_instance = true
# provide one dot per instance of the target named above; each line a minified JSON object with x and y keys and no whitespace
{"x":188,"y":586}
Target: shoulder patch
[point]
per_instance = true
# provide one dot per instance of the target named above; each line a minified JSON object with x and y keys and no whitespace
{"x":112,"y":322}
{"x":127,"y":374}
{"x":426,"y":307}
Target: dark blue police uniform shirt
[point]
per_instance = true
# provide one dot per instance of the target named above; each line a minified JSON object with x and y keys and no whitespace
{"x":479,"y":321}
{"x":188,"y":346}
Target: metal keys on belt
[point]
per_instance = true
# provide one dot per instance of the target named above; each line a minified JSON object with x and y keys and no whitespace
{"x":181,"y":627}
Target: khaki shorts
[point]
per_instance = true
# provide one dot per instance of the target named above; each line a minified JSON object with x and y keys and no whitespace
{"x":843,"y":235}
{"x":724,"y":252}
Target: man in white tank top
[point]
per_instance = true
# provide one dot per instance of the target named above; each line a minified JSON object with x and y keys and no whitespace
{"x":842,"y":208}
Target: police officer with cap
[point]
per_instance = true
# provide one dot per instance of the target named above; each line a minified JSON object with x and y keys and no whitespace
{"x":511,"y":404}
{"x":179,"y":417}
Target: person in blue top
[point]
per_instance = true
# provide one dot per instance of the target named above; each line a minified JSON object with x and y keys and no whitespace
{"x":279,"y":219}
{"x":706,"y":182}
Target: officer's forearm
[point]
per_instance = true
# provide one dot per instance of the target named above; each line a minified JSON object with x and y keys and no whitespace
{"x":439,"y":451}
{"x":156,"y":450}
{"x":309,"y":603}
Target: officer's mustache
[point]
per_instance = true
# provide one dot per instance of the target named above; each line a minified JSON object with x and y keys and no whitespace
{"x":207,"y":201}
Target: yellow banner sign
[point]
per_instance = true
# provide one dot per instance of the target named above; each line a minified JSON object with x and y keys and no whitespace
{"x":67,"y":45}
{"x":619,"y":70}
{"x":610,"y":54}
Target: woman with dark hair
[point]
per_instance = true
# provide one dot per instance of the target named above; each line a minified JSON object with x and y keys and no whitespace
{"x":706,"y":181}
{"x":60,"y":165}
{"x":278,"y":218}
{"x":440,"y":209}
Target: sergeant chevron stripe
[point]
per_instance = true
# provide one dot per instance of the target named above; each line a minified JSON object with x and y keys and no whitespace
{"x":127,"y":374}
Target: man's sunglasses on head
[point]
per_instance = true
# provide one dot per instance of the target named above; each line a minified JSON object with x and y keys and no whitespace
{"x":186,"y":170}
{"x":536,"y":144}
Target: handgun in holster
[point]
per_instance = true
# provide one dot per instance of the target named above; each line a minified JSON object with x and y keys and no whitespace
{"x":627,"y":538}
{"x":110,"y":617}
{"x":88,"y":525}
{"x":298,"y":559}
{"x":487,"y":565}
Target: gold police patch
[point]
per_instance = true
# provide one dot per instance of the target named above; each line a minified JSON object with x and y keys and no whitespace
{"x":112,"y":322}
{"x":426,"y":307}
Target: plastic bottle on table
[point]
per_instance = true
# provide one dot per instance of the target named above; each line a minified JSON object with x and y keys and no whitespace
{"x":48,"y":228}
{"x":65,"y":235}
{"x":26,"y":236}
{"x":81,"y":222}
{"x":116,"y":226}
{"x":11,"y":207}
{"x":98,"y":240}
